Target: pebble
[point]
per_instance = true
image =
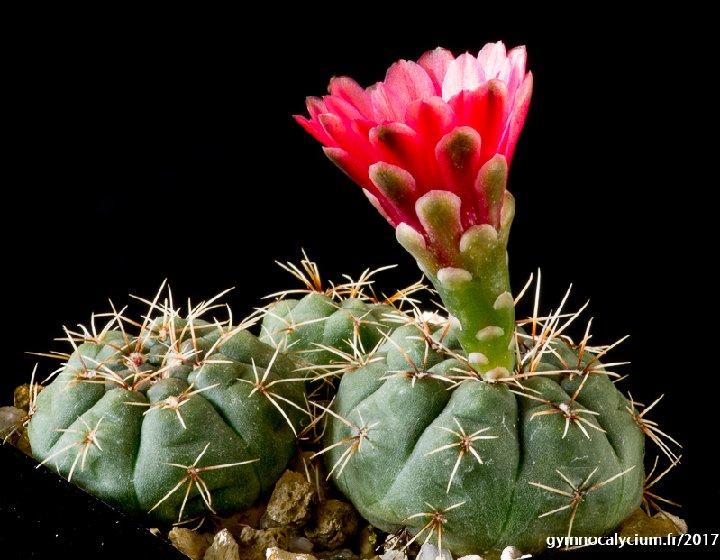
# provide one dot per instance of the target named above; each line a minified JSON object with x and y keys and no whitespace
{"x":224,"y":547}
{"x":254,"y":543}
{"x":429,"y":551}
{"x":333,"y":524}
{"x":189,"y":542}
{"x":393,"y":555}
{"x":660,"y":525}
{"x":291,"y":500}
{"x":10,"y":417}
{"x":275,"y":553}
{"x":513,"y":553}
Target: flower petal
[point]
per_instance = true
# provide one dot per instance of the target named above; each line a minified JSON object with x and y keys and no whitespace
{"x":315,"y":106}
{"x":405,"y":82}
{"x":315,"y":128}
{"x":516,"y":58}
{"x":400,"y":145}
{"x":492,"y":60}
{"x":431,"y":118}
{"x":384,"y":109}
{"x":350,"y":165}
{"x":409,"y":81}
{"x":464,"y":73}
{"x":517,"y":118}
{"x":348,"y":90}
{"x":342,"y":108}
{"x":436,"y":63}
{"x":483,"y":109}
{"x":344,"y":134}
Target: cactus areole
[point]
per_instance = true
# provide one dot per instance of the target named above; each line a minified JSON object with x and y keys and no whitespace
{"x":477,"y":434}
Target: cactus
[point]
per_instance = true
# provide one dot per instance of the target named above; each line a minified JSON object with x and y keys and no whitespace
{"x":475,"y":432}
{"x":482,"y":464}
{"x":552,"y":449}
{"x":327,"y":327}
{"x":183,"y":418}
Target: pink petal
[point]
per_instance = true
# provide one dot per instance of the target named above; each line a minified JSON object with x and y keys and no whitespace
{"x":436,"y":64}
{"x":517,"y":118}
{"x":342,"y":108}
{"x":348,"y":90}
{"x":492,"y":59}
{"x":395,"y":143}
{"x":405,"y":82}
{"x":464,"y":73}
{"x":314,"y":128}
{"x":351,"y":167}
{"x":516,"y":59}
{"x":335,"y":128}
{"x":344,"y":135}
{"x":400,"y":145}
{"x":384,"y":109}
{"x":315,"y":106}
{"x":483,"y":109}
{"x":431,"y":118}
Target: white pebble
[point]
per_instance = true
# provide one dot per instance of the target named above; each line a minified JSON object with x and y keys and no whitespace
{"x":432,"y":552}
{"x":512,"y":553}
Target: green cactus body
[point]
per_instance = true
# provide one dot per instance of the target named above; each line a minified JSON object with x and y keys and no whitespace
{"x":426,"y":438}
{"x":320,"y":330}
{"x":417,"y":435}
{"x":178,"y":421}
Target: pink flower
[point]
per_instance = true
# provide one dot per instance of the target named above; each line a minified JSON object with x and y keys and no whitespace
{"x":439,"y":124}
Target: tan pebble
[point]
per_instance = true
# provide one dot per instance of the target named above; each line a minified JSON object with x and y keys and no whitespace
{"x":21,"y":397}
{"x":10,"y":419}
{"x":291,"y":500}
{"x":275,"y":553}
{"x":679,"y":523}
{"x":254,"y":543}
{"x":333,"y":523}
{"x":658,"y":526}
{"x":300,"y":544}
{"x":224,"y":547}
{"x":189,"y":542}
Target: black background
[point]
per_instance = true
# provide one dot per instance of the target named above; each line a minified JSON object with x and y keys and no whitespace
{"x":148,"y":148}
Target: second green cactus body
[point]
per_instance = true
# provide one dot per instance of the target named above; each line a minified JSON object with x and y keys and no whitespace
{"x":182,"y":419}
{"x":417,"y":438}
{"x":432,"y":447}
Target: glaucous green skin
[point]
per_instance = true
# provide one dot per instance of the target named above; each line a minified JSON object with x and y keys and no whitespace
{"x":300,"y":326}
{"x":402,"y":465}
{"x":130,"y":467}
